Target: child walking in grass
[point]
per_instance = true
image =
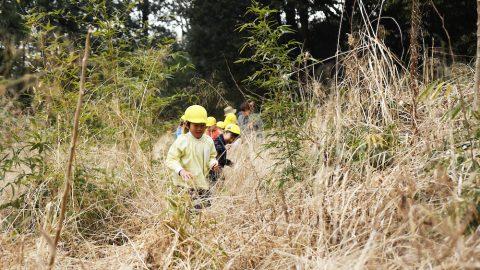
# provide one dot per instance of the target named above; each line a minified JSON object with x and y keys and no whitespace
{"x":212,"y":130}
{"x":181,"y":127}
{"x":230,"y":135}
{"x":221,"y":126}
{"x":192,"y":156}
{"x":230,"y":118}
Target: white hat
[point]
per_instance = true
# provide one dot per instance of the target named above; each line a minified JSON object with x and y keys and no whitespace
{"x":229,"y":109}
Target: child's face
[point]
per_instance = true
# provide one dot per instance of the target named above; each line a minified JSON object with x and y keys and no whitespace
{"x":197,"y":130}
{"x":229,"y":137}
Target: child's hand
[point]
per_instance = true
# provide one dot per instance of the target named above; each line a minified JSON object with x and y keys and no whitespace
{"x":216,"y":168}
{"x":186,"y":175}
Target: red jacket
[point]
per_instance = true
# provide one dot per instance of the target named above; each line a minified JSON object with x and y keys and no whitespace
{"x":214,"y":134}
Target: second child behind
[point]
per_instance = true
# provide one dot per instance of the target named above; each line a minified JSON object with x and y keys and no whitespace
{"x":212,"y":130}
{"x":231,"y":133}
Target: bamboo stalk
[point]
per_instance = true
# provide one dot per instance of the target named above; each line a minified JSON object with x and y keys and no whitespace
{"x":414,"y":55}
{"x":73,"y":144}
{"x":477,"y":64}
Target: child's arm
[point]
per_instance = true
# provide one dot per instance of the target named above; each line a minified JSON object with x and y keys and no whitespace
{"x":213,"y":154}
{"x":173,"y":157}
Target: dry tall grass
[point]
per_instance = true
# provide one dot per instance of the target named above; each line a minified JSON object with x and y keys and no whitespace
{"x":376,"y":195}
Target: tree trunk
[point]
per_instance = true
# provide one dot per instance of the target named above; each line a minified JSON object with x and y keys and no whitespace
{"x":277,"y":5}
{"x":349,"y":4}
{"x":476,"y":104}
{"x":290,"y":14}
{"x":303,"y":14}
{"x":416,"y":19}
{"x":145,"y":7}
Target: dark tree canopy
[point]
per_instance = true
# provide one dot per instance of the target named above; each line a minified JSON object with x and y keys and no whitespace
{"x":210,"y":33}
{"x":212,"y":37}
{"x":213,"y":41}
{"x":12,"y":32}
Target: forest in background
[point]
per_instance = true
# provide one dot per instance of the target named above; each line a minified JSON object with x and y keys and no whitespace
{"x":206,"y":33}
{"x":370,"y":157}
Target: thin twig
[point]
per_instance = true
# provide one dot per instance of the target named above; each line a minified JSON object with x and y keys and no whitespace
{"x":452,"y":55}
{"x":73,"y":144}
{"x":233,"y":78}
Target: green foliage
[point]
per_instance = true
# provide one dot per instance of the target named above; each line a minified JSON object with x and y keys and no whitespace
{"x":24,"y":169}
{"x":22,"y":164}
{"x":12,"y":25}
{"x":127,"y":90}
{"x":96,"y":194}
{"x":471,"y":194}
{"x":268,"y":50}
{"x":459,"y":154}
{"x":377,"y":147}
{"x":31,"y":176}
{"x":127,"y":99}
{"x":285,"y":112}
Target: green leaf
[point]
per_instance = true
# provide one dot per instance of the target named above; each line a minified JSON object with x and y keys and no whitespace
{"x":437,"y":90}
{"x":456,"y":110}
{"x":426,"y":92}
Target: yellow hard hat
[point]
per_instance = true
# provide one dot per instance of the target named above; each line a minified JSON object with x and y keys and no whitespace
{"x":230,"y":118}
{"x":196,"y":114}
{"x":182,"y":118}
{"x":235,"y":129}
{"x":221,"y":124}
{"x":211,"y":121}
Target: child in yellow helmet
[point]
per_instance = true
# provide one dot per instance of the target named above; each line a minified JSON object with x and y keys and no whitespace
{"x":231,"y":133}
{"x":212,"y":129}
{"x":193,"y":155}
{"x":221,"y":125}
{"x":230,"y":118}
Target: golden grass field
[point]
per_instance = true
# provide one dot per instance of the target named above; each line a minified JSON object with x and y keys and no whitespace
{"x":377,"y":194}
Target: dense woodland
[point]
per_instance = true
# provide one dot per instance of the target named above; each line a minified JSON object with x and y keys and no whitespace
{"x":368,"y":156}
{"x":206,"y":32}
